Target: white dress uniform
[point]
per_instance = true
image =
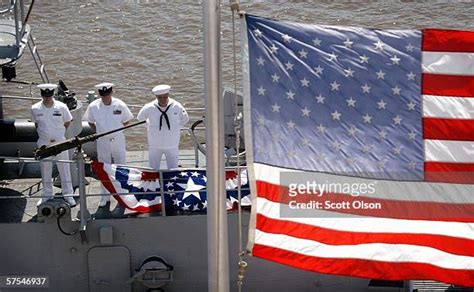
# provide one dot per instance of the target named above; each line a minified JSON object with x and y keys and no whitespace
{"x":50,"y":127}
{"x":164,"y":138}
{"x":108,"y":118}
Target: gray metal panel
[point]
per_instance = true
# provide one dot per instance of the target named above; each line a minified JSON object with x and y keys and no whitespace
{"x":229,"y":115}
{"x":109,"y":279}
{"x":40,"y":249}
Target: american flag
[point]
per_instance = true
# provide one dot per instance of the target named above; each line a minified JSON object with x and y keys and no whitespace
{"x":393,"y":109}
{"x":138,"y":190}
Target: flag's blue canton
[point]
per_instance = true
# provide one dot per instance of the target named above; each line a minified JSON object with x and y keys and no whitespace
{"x":121,"y":175}
{"x":336,"y":99}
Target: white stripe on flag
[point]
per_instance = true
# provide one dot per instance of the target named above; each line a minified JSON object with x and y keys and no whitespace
{"x":448,"y":63}
{"x":449,"y":151}
{"x":384,"y":189}
{"x":372,"y":251}
{"x":354,"y":223}
{"x":448,"y":107}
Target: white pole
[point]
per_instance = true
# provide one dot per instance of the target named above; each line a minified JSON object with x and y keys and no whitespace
{"x":217,"y":242}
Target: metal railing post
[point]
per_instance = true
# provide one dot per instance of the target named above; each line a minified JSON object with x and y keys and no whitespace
{"x":162,"y":193}
{"x":81,"y":173}
{"x":17,"y":21}
{"x":22,"y":13}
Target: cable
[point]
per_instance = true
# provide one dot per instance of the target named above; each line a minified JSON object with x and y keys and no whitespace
{"x":61,"y":213}
{"x":242,"y":264}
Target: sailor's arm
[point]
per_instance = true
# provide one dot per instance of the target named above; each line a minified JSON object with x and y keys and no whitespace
{"x":143,"y":113}
{"x":127,"y":115}
{"x":89,"y":118}
{"x":183,"y":116}
{"x":67,"y":116}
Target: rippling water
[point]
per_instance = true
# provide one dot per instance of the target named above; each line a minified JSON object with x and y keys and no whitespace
{"x":138,"y":44}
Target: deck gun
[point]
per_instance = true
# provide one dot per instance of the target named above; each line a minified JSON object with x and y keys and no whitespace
{"x":76,"y":142}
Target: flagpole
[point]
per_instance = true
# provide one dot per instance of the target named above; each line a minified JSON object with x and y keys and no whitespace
{"x":217,"y":242}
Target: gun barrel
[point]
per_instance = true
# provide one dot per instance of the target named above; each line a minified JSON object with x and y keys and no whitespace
{"x":55,"y":149}
{"x":97,"y":136}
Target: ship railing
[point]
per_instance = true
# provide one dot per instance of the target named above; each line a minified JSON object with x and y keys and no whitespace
{"x":9,"y":9}
{"x":29,"y":193}
{"x":19,"y":18}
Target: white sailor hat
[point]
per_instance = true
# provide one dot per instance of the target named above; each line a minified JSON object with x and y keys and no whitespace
{"x":47,"y":89}
{"x":104,"y":88}
{"x":161,"y":89}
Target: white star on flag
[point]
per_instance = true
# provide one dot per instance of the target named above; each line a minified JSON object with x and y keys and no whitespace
{"x":304,"y":82}
{"x":336,"y":115}
{"x":320,"y":98}
{"x":367,"y":119}
{"x":290,"y":95}
{"x":317,"y":42}
{"x":380,"y":74}
{"x":303,"y":54}
{"x":306,"y":112}
{"x":379,"y":45}
{"x":351,"y":102}
{"x":335,"y":86}
{"x":348,"y":43}
{"x":276,"y":108}
{"x":275,"y":78}
{"x":365,"y":88}
{"x":395,"y":60}
{"x":381,"y":104}
{"x":364,"y":59}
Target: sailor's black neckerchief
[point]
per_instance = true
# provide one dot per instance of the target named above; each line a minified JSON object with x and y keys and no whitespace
{"x":164,"y":114}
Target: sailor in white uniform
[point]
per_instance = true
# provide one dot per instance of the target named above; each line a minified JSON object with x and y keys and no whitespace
{"x":51,"y":118}
{"x":165,"y":117}
{"x":106,"y":114}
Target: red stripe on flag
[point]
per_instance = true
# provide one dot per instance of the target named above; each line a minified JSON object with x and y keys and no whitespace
{"x":98,"y":168}
{"x":453,"y":245}
{"x":366,"y":206}
{"x":448,"y":85}
{"x":448,"y":129}
{"x":439,"y":40}
{"x":365,"y":268}
{"x":462,"y":173}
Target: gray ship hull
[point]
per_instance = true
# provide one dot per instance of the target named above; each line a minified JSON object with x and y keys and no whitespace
{"x":104,"y":265}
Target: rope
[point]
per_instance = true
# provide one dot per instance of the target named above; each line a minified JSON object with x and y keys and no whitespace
{"x":237,"y":125}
